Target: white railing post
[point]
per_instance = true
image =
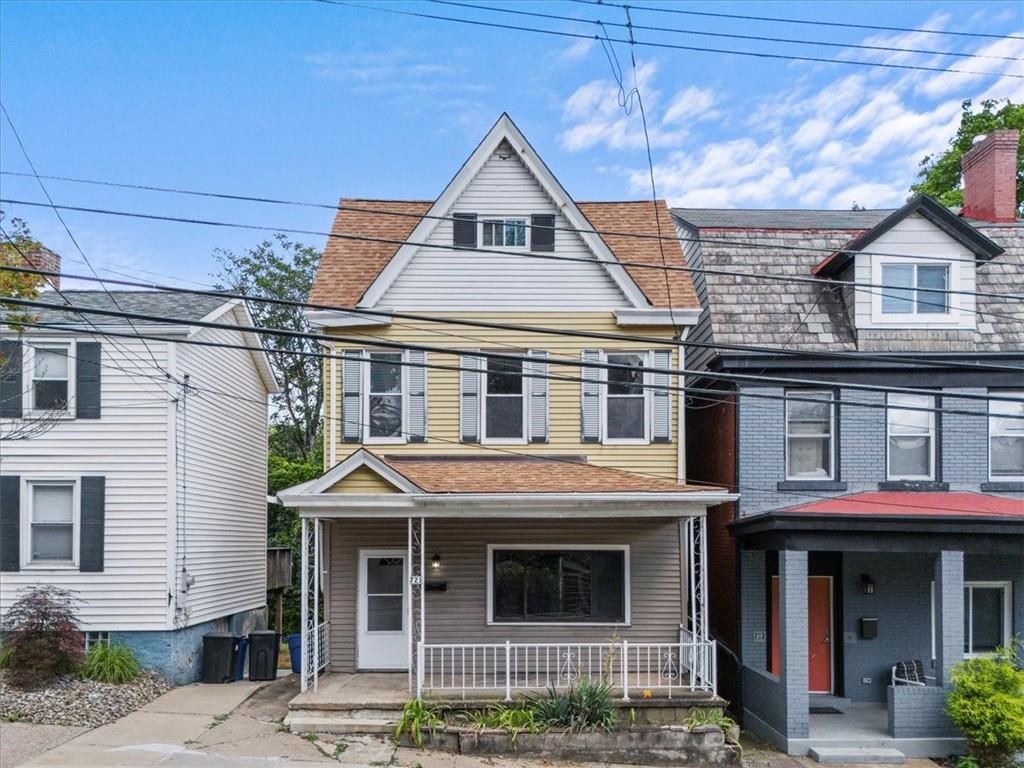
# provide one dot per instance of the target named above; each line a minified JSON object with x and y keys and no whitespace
{"x":625,"y":670}
{"x":419,"y":670}
{"x":508,"y":671}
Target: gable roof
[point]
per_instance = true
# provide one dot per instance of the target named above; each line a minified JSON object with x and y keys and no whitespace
{"x":357,"y":272}
{"x":169,"y":304}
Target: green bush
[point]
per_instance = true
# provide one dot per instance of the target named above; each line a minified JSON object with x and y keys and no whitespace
{"x":587,"y":706}
{"x":417,"y":715}
{"x":110,"y":664}
{"x":41,"y":636}
{"x":987,"y":703}
{"x":512,"y":718}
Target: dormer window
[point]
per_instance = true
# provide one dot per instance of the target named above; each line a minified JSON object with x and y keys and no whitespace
{"x":915,"y":289}
{"x":504,"y":233}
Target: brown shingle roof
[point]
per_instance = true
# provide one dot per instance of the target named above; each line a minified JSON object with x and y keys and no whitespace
{"x":349,"y":267}
{"x":513,"y":474}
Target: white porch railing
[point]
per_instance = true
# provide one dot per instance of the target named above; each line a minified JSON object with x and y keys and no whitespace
{"x":630,"y":668}
{"x":322,"y":637}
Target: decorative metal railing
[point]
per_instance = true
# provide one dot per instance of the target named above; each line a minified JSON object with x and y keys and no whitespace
{"x":632,"y":669}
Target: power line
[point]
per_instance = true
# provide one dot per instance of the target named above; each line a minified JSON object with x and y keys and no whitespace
{"x":652,"y":44}
{"x":544,"y":330}
{"x":527,"y":254}
{"x":437,"y":217}
{"x":704,"y":33}
{"x":818,"y":23}
{"x":567,"y":362}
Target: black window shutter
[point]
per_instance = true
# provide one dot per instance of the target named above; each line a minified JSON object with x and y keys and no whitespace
{"x":88,"y":379}
{"x":10,"y":379}
{"x":10,"y":523}
{"x":464,"y":230}
{"x":542,"y":232}
{"x":90,"y":543}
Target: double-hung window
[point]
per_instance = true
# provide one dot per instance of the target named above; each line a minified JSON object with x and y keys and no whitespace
{"x":1006,"y":436}
{"x":51,"y":378}
{"x":558,"y":584}
{"x":51,"y":522}
{"x":504,"y":233}
{"x":385,"y":397}
{"x":809,"y":435}
{"x":504,"y":401}
{"x":626,"y":405}
{"x":915,"y":289}
{"x":910,"y":428}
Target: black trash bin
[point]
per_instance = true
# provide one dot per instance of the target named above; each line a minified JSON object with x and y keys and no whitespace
{"x":219,"y":652}
{"x":264,"y":646}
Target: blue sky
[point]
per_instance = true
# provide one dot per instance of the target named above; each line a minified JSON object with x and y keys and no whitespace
{"x":311,"y":101}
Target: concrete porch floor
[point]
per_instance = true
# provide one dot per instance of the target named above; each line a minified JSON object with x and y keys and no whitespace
{"x":857,"y":721}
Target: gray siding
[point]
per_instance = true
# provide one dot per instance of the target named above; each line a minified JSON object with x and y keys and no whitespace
{"x":458,"y":615}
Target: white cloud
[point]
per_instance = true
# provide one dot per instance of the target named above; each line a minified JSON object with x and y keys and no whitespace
{"x":576,"y":50}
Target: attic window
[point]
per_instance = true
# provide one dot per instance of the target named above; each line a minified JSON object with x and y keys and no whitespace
{"x":505,"y":233}
{"x":915,"y":289}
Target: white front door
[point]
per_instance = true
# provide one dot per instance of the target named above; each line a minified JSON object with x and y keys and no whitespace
{"x":383,"y":614}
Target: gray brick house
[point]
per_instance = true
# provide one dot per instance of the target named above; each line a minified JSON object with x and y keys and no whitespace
{"x":875,"y":525}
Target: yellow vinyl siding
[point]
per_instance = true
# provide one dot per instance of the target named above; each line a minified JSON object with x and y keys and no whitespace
{"x":362,"y":480}
{"x":658,"y":459}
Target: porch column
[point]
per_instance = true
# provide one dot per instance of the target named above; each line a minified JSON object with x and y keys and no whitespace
{"x":949,"y":613}
{"x":417,"y":600}
{"x":793,"y":641}
{"x":304,"y":606}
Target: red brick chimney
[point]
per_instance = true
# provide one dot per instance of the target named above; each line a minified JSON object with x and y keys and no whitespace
{"x":990,"y":177}
{"x":48,"y":261}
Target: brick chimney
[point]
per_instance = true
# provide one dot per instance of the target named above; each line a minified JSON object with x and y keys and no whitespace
{"x":45,"y":259}
{"x":990,"y":177}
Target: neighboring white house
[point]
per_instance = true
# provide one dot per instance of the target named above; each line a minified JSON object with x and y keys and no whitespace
{"x":134,"y":473}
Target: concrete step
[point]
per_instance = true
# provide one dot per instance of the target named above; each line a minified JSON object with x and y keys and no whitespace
{"x":854,"y":755}
{"x":341,"y":722}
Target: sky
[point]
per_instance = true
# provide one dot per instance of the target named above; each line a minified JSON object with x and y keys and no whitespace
{"x":311,"y":101}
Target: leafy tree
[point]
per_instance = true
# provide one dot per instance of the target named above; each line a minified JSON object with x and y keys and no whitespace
{"x":17,"y":285}
{"x":41,"y":636}
{"x":283,"y":269}
{"x":939,"y":175}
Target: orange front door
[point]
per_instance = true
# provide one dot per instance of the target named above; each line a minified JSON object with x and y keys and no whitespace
{"x":819,"y":632}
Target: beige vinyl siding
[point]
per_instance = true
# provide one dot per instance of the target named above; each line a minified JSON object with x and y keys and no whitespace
{"x":362,"y":480}
{"x":441,"y":278}
{"x":443,"y":436}
{"x":458,"y":615}
{"x":226,"y":473}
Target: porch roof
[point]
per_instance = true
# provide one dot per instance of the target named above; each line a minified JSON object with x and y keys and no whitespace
{"x":916,"y":504}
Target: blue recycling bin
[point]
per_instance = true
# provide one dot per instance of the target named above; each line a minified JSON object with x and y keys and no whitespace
{"x":243,"y":646}
{"x":295,"y":652}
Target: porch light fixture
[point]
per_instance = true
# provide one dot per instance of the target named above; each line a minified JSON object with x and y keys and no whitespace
{"x":867,"y":586}
{"x":435,"y":562}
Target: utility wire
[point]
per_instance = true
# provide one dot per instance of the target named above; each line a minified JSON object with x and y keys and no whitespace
{"x":812,"y":22}
{"x":528,"y":254}
{"x":703,"y":33}
{"x":652,"y":44}
{"x":437,"y":217}
{"x":388,"y":315}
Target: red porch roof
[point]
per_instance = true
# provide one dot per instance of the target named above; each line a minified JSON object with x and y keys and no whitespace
{"x":920,"y":504}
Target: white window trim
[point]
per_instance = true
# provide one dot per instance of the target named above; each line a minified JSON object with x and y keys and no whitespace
{"x":991,"y":418}
{"x":27,"y":563}
{"x":503,"y":218}
{"x":624,"y":548}
{"x":28,"y":368}
{"x":525,"y":395}
{"x":646,"y":362}
{"x":948,"y":319}
{"x":1007,"y":587}
{"x":831,"y":435}
{"x":932,"y":431}
{"x":365,"y":396}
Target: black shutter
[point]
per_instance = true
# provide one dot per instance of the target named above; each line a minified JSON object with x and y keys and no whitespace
{"x":464,"y":230}
{"x":90,"y":543}
{"x":87,"y":379}
{"x":10,"y":523}
{"x":542,"y":232}
{"x":10,"y":379}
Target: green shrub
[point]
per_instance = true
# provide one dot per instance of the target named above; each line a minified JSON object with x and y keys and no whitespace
{"x":513,"y":718}
{"x":41,"y":636}
{"x":110,"y":664}
{"x":587,"y":706}
{"x":417,"y":715}
{"x":987,"y":703}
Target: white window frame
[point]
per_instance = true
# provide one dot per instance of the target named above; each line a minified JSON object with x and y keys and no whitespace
{"x":932,"y":434}
{"x":627,"y":608}
{"x":646,"y":362}
{"x":1007,"y":587}
{"x":992,"y":418}
{"x":503,"y":219}
{"x":949,"y":318}
{"x":96,"y":637}
{"x":27,"y":498}
{"x":797,"y":393}
{"x":404,"y":394}
{"x":524,"y":394}
{"x":28,"y":368}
